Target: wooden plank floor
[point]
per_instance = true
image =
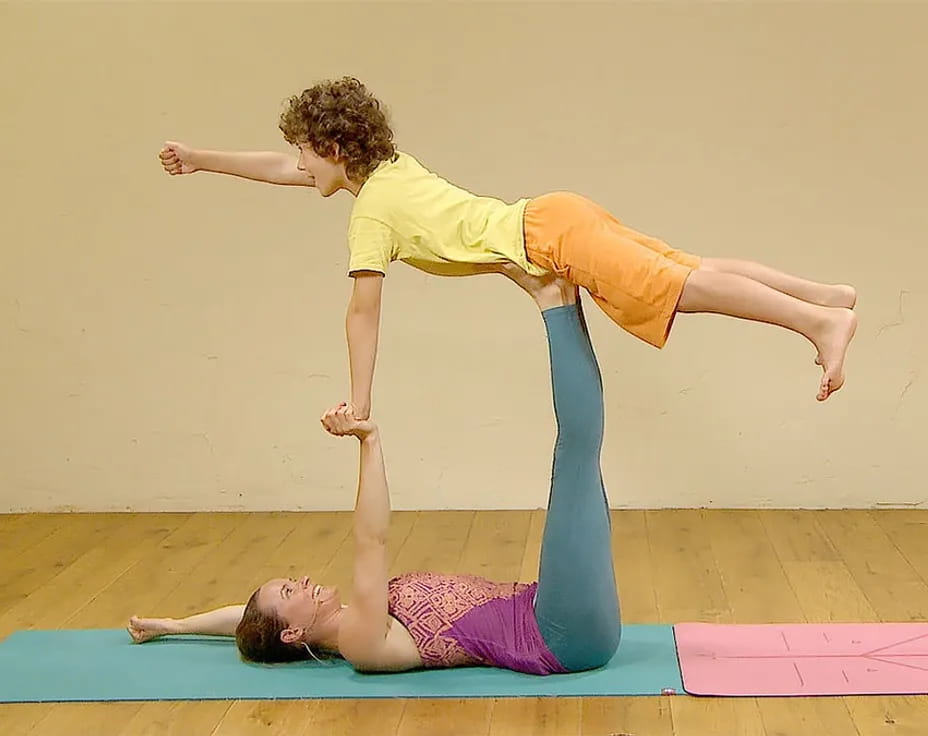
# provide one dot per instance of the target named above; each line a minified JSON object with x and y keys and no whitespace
{"x":94,"y":570}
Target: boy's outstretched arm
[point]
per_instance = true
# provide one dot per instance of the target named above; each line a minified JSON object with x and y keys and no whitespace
{"x":265,"y":166}
{"x":362,"y":327}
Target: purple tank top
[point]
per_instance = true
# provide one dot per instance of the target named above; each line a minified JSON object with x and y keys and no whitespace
{"x":458,"y":620}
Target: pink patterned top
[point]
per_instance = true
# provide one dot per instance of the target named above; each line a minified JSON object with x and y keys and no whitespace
{"x":460,"y":620}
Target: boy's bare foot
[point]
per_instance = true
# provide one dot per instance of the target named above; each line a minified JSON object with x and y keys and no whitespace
{"x":832,"y":344}
{"x":840,"y":295}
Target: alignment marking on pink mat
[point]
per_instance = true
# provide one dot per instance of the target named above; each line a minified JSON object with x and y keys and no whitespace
{"x":803,"y":659}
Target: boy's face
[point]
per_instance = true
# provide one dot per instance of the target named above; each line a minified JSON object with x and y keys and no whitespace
{"x":329,"y":175}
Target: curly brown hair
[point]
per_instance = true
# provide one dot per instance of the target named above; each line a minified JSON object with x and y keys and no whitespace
{"x":341,"y":112}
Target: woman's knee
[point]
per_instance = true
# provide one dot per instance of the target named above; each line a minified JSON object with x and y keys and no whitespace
{"x":597,"y":653}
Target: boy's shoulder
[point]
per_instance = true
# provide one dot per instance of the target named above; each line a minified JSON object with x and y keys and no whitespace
{"x":388,"y":184}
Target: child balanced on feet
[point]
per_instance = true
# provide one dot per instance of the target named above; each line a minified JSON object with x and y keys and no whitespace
{"x":404,"y":212}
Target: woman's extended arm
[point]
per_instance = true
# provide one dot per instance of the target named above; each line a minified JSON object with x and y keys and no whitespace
{"x":218,"y":622}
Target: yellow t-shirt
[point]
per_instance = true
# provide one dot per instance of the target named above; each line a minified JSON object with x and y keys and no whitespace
{"x":406,"y":213}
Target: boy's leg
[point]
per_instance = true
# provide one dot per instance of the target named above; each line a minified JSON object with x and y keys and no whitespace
{"x":827,"y":295}
{"x":830,"y":329}
{"x":576,"y":604}
{"x":641,"y":283}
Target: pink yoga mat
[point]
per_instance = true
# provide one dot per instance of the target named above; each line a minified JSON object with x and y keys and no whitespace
{"x":803,"y":659}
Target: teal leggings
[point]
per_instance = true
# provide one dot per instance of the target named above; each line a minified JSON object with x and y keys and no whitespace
{"x":577,"y":606}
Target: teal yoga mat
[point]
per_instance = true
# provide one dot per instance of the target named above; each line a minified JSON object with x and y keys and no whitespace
{"x":102,"y":664}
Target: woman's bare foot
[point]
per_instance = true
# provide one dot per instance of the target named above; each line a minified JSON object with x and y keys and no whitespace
{"x":146,"y":629}
{"x":548,"y":291}
{"x":832,"y":344}
{"x":840,"y":295}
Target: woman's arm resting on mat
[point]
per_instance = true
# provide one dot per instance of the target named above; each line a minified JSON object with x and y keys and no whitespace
{"x":218,"y":622}
{"x":266,"y":166}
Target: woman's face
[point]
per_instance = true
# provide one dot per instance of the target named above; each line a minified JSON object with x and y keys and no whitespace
{"x":300,"y":603}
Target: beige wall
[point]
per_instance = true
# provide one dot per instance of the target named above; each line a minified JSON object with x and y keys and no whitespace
{"x":169,"y":343}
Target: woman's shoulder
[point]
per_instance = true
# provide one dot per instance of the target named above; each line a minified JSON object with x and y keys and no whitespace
{"x":396,"y":652}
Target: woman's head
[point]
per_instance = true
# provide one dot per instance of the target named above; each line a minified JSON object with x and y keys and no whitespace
{"x":283,"y":617}
{"x":338,"y":122}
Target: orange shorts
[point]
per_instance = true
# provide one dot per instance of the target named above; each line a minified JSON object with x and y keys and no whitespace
{"x":635,"y":279}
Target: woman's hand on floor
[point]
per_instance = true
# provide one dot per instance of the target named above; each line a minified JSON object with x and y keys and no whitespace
{"x":146,"y":629}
